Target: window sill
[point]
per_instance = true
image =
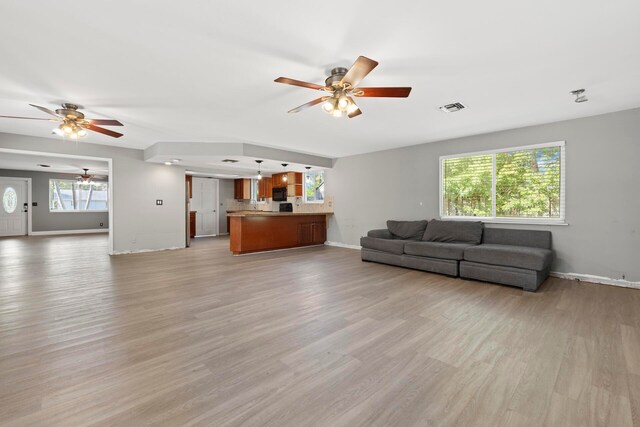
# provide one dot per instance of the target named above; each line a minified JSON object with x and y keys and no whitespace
{"x":523,"y":221}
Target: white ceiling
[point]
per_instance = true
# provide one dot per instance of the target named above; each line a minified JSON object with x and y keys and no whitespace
{"x":31,"y":162}
{"x":204,"y":73}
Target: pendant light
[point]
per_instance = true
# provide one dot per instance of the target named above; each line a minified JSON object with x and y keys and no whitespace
{"x":308,"y":177}
{"x":259,"y":172}
{"x":284,"y":167}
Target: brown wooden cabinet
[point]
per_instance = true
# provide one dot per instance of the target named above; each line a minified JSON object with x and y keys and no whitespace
{"x":242,"y":189}
{"x":293,"y":183}
{"x":265,"y":188}
{"x":192,"y":224}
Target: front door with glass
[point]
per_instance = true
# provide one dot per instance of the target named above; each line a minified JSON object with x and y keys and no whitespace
{"x":13,"y":211}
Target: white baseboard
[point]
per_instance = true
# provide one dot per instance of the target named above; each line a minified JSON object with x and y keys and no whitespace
{"x":596,"y":279}
{"x":343,"y":245}
{"x":141,"y":251}
{"x":59,"y":232}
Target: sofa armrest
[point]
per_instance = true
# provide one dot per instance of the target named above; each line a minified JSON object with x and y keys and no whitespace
{"x":380,"y":234}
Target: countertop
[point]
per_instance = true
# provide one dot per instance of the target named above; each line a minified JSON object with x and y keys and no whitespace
{"x":269,"y":213}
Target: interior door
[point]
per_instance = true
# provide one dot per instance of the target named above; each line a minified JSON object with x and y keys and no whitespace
{"x":13,"y":207}
{"x":205,"y":201}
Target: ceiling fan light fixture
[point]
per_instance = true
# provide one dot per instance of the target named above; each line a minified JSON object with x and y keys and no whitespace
{"x":327,"y":106}
{"x":82,"y":133}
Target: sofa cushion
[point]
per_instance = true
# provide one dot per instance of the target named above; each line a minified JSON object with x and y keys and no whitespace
{"x":385,"y":245}
{"x":511,"y":256}
{"x":382,"y":233}
{"x":407,"y":229}
{"x":454,"y":231}
{"x":440,"y":250}
{"x":507,"y":236}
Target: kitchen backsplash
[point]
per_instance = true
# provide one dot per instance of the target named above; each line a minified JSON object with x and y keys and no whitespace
{"x":298,"y":205}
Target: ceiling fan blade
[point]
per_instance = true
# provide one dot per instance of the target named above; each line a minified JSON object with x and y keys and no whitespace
{"x":309,"y":104}
{"x":104,"y":122}
{"x":103,"y":130}
{"x":359,"y":70}
{"x":384,"y":92}
{"x":46,"y":110}
{"x":356,"y":112}
{"x":29,"y":118}
{"x":288,"y":81}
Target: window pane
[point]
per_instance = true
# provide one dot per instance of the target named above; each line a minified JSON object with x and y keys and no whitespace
{"x":467,"y":186}
{"x":314,"y":186}
{"x":528,"y":183}
{"x":70,"y":195}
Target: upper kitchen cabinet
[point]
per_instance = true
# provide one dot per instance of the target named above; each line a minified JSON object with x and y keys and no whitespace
{"x":242,"y":189}
{"x":293,"y":183}
{"x":265,"y":186}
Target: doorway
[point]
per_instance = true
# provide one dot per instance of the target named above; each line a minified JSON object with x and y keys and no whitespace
{"x":15,"y":206}
{"x":205,"y":202}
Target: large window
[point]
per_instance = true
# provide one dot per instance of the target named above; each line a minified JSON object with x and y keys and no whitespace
{"x":66,"y":195}
{"x":314,"y":187}
{"x":524,"y":184}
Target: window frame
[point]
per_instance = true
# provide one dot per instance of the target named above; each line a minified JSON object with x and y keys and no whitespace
{"x":56,"y":211}
{"x":304,"y":185}
{"x":506,"y":220}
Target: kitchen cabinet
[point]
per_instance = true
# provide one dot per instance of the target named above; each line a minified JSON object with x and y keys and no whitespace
{"x":265,"y":186}
{"x":242,"y":189}
{"x":313,"y":233}
{"x":293,"y":183}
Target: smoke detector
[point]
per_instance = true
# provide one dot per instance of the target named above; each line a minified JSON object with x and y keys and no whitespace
{"x":452,"y":108}
{"x":579,"y":94}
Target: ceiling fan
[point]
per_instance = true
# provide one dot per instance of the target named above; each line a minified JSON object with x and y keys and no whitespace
{"x":341,"y":87}
{"x":73,"y":123}
{"x":85,"y":178}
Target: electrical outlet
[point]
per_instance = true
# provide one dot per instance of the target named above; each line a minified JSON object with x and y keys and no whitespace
{"x":158,"y":202}
{"x":101,"y":224}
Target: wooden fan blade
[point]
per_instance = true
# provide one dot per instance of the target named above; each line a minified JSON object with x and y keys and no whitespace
{"x":29,"y":118}
{"x":384,"y":92}
{"x":105,"y":122}
{"x":46,"y":110}
{"x":288,"y":81}
{"x":359,"y":70}
{"x":309,"y":104}
{"x":103,"y":130}
{"x":356,"y":112}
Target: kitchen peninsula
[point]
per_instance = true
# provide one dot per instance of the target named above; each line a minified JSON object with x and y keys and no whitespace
{"x":257,"y":231}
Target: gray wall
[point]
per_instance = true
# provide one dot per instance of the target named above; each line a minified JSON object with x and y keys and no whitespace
{"x":602,"y":190}
{"x":43,"y":220}
{"x":138,"y":224}
{"x":226,"y":193}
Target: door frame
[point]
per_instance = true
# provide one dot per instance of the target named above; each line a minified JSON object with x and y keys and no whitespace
{"x":71,"y":156}
{"x":29,"y":200}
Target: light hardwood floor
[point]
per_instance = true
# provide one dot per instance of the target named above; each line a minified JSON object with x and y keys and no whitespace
{"x":303,"y":337}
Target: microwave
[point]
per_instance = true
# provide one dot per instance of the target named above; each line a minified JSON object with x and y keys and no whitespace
{"x":279,"y":194}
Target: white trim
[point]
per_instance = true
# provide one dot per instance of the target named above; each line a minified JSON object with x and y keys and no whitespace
{"x":79,"y":211}
{"x":141,"y":251}
{"x":537,"y":221}
{"x":342,"y":245}
{"x":58,"y":232}
{"x":529,"y":221}
{"x":506,"y":150}
{"x":596,"y":279}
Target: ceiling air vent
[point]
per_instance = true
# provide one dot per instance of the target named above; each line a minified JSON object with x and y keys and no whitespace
{"x":229,"y":161}
{"x":452,"y":108}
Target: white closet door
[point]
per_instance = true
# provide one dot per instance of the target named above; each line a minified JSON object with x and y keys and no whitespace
{"x":13,"y":211}
{"x":205,"y":200}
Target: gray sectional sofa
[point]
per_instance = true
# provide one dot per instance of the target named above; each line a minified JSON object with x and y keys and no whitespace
{"x":467,"y":249}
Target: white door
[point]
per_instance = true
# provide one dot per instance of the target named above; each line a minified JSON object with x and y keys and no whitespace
{"x":205,"y":203}
{"x":13,"y":210}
